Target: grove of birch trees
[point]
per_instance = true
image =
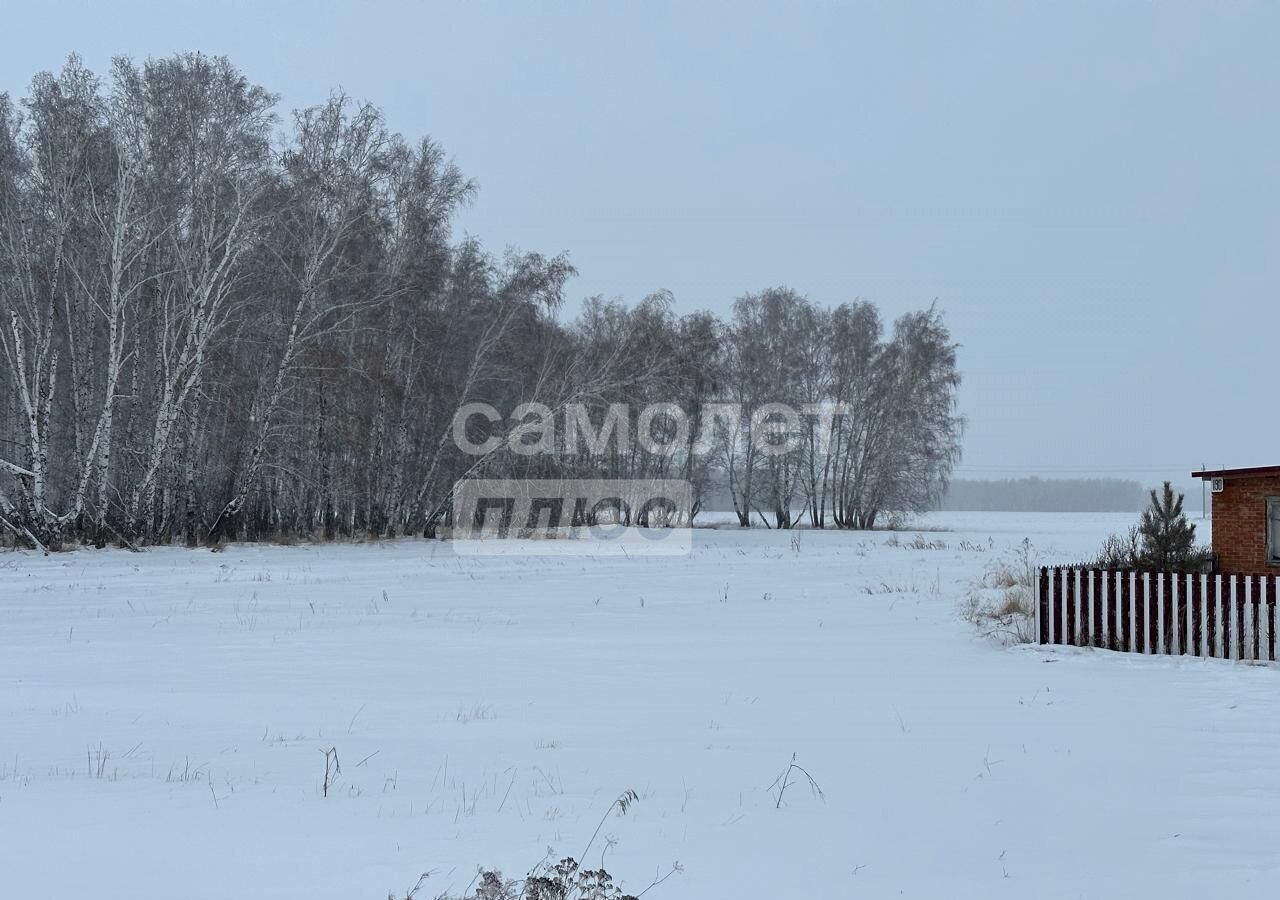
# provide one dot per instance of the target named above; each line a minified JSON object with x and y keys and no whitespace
{"x":218,"y":321}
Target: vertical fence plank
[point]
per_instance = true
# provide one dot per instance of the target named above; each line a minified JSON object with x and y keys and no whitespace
{"x":1112,"y":601}
{"x":1141,"y":629}
{"x":1237,"y":617}
{"x":1078,"y":624}
{"x":1228,"y":615}
{"x":1097,"y":591}
{"x":1211,"y":631}
{"x":1244,"y":628}
{"x":1160,"y":620}
{"x":1242,"y":618}
{"x":1055,"y":601}
{"x":1222,"y":634}
{"x":1270,"y":601}
{"x":1164,"y":587}
{"x":1042,"y":606}
{"x":1085,"y":602}
{"x":1259,"y":616}
{"x":1250,"y":619}
{"x":1272,"y":593}
{"x":1051,"y":609}
{"x":1108,"y":601}
{"x":1198,"y":616}
{"x":1141,"y":613}
{"x":1059,"y":606}
{"x":1245,"y":634}
{"x":1151,"y":614}
{"x":1230,"y":636}
{"x":1210,"y":616}
{"x":1260,"y":621}
{"x":1069,"y":607}
{"x":1132,"y":620}
{"x":1225,"y":584}
{"x":1187,"y":590}
{"x":1122,"y":611}
{"x":1133,"y":584}
{"x":1181,"y":617}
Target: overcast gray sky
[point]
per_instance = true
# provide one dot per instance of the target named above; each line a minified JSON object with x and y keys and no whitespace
{"x":1090,"y":191}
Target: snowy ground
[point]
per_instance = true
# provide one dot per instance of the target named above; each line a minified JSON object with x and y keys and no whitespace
{"x":163,"y":718}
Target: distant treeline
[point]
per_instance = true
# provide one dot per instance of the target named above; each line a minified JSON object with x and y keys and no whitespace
{"x":1047,"y":495}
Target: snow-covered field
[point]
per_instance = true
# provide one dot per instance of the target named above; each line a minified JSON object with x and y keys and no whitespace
{"x":164,"y":717}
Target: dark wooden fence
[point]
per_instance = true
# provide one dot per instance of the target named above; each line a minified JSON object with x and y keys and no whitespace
{"x":1224,"y":616}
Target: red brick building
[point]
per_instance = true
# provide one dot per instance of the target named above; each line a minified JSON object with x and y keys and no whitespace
{"x":1246,"y":519}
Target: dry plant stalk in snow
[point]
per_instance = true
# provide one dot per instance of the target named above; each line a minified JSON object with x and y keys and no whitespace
{"x":1001,"y":603}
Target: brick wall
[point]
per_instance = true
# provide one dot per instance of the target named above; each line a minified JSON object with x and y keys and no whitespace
{"x":1240,"y":524}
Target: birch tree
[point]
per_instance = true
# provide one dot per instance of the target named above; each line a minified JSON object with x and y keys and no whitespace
{"x":43,"y":171}
{"x":207,"y":132}
{"x":333,"y":190}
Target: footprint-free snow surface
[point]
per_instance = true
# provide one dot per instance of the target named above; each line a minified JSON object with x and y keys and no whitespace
{"x":167,"y":719}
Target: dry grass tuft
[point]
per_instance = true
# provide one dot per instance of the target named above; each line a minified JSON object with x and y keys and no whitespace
{"x":1001,"y":604}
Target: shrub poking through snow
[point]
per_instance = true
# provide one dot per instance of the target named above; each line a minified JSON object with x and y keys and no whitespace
{"x":1119,"y":551}
{"x":1164,"y":540}
{"x":1001,"y":604}
{"x":562,"y":881}
{"x":565,"y":880}
{"x":920,"y":542}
